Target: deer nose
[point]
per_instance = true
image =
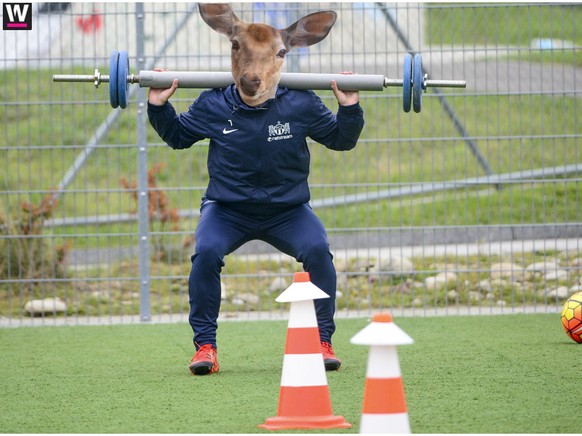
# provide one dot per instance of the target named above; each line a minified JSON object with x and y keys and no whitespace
{"x":250,"y":86}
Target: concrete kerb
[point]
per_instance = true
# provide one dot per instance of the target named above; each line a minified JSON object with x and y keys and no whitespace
{"x":460,"y":310}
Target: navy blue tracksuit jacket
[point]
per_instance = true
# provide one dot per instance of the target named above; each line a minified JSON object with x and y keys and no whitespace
{"x":258,"y":165}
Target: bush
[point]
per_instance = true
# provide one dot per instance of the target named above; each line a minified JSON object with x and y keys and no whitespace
{"x":24,"y":253}
{"x":159,"y":210}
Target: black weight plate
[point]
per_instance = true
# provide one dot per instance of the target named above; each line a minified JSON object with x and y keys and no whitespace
{"x":122,"y":83}
{"x":407,"y":83}
{"x":113,"y":64}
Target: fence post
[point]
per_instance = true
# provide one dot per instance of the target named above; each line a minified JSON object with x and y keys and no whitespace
{"x":142,"y":176}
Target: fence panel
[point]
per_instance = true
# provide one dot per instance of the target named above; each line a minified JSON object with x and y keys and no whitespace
{"x":471,"y":206}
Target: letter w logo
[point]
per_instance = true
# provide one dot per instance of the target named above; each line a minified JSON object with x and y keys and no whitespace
{"x":17,"y":16}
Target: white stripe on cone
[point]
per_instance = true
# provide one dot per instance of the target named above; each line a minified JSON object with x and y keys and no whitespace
{"x":302,"y":314}
{"x":383,"y":362}
{"x":303,"y":370}
{"x":376,"y":423}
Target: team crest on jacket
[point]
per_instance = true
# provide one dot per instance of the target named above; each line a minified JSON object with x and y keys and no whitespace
{"x":279,"y":131}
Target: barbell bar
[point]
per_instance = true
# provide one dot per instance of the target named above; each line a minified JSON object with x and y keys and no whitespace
{"x":414,"y":82}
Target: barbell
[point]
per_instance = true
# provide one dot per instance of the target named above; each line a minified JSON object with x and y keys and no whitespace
{"x":414,"y":82}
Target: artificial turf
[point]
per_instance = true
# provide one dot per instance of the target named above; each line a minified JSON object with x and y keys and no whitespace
{"x":464,"y":374}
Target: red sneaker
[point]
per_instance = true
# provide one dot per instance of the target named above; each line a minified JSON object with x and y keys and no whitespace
{"x":205,"y":361}
{"x":332,"y":363}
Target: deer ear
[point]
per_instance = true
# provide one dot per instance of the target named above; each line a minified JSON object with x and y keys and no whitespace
{"x":309,"y":30}
{"x":220,"y":17}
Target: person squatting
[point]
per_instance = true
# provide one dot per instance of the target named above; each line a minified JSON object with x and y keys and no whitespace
{"x":258,"y":166}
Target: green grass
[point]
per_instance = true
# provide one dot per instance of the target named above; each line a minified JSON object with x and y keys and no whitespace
{"x":486,"y":374}
{"x":504,"y":25}
{"x":507,"y":26}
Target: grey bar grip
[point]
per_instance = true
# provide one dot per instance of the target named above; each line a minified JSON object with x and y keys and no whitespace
{"x":211,"y":79}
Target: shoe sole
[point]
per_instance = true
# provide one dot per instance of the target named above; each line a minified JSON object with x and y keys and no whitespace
{"x":332,"y":365}
{"x":201,"y":369}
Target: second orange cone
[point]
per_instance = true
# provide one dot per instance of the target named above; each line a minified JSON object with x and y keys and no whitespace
{"x":384,"y":408}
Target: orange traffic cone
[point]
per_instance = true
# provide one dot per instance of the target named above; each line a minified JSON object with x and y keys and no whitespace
{"x":384,"y":407}
{"x":304,"y":400}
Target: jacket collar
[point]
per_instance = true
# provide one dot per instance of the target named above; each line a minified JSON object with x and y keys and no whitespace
{"x":236,"y":102}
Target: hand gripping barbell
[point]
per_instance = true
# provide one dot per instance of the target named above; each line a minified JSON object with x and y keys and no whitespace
{"x":413,"y":83}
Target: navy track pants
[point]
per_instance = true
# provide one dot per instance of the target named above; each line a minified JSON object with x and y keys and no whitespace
{"x":297,"y":232}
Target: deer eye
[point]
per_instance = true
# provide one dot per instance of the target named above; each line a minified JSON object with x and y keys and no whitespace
{"x":282,"y":53}
{"x":235,"y":45}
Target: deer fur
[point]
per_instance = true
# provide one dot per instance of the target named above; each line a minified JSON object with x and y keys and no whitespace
{"x":258,"y":50}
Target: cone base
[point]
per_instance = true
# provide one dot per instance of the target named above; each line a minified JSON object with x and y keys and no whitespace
{"x":283,"y":422}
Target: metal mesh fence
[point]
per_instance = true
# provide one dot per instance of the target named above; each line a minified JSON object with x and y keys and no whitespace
{"x":471,"y":206}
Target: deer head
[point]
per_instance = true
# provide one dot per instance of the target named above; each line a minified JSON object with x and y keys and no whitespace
{"x":258,"y":50}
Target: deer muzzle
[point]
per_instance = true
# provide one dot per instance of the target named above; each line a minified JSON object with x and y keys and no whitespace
{"x":250,"y":86}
